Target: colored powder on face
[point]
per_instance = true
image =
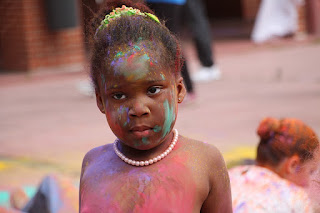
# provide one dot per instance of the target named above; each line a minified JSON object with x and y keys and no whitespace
{"x":138,"y":72}
{"x":137,"y":47}
{"x":103,"y":79}
{"x":157,"y":128}
{"x":116,"y":65}
{"x":162,"y":76}
{"x":134,"y":67}
{"x":145,"y":141}
{"x":137,"y":144}
{"x":121,"y":111}
{"x":119,"y":54}
{"x":128,"y":118}
{"x":169,"y":118}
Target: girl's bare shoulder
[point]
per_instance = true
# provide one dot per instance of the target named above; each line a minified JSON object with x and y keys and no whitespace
{"x":205,"y":155}
{"x":200,"y":148}
{"x":97,"y":153}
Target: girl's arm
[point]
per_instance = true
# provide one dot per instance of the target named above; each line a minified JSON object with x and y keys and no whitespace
{"x":85,"y":163}
{"x":80,"y":188}
{"x":219,"y":198}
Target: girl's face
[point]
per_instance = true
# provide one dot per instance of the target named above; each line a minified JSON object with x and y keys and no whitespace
{"x":139,"y":97}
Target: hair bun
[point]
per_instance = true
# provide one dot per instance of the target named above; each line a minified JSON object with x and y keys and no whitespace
{"x":268,"y":127}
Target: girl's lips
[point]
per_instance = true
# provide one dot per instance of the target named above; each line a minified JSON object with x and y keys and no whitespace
{"x":141,"y":131}
{"x":142,"y":134}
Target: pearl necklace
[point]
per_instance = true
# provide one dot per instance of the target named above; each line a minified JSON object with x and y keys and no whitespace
{"x":151,"y":161}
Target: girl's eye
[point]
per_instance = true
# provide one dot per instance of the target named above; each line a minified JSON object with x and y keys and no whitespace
{"x":118,"y":96}
{"x":154,"y":90}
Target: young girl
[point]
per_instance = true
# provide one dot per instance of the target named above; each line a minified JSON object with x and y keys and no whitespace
{"x":287,"y":156}
{"x":149,"y":167}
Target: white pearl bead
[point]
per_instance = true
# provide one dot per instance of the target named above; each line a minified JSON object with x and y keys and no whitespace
{"x":151,"y":161}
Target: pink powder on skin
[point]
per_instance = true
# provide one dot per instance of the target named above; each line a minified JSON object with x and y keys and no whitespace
{"x":167,"y":187}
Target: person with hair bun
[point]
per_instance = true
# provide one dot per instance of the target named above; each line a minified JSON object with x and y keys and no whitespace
{"x":135,"y":68}
{"x":287,"y":156}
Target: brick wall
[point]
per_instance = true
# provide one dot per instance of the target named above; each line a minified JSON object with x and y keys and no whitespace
{"x":302,"y":28}
{"x":27,"y":43}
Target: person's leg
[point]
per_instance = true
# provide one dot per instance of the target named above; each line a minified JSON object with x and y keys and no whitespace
{"x":200,"y":27}
{"x":54,"y":194}
{"x":186,"y":78}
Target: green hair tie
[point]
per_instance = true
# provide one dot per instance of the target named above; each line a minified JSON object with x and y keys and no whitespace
{"x":120,"y":11}
{"x":153,"y":17}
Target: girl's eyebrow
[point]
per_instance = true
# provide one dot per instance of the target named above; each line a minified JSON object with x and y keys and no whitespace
{"x":115,"y":86}
{"x":154,"y":81}
{"x":151,"y":81}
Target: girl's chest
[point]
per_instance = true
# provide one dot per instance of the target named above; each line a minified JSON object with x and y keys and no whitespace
{"x":160,"y":189}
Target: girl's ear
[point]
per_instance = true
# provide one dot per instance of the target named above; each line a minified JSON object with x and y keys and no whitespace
{"x":99,"y":101}
{"x":181,"y":90}
{"x":293,"y":165}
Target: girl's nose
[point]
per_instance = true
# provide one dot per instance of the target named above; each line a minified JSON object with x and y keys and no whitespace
{"x":139,"y":109}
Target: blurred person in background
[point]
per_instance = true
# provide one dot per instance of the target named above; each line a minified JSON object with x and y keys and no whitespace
{"x":171,"y":11}
{"x":198,"y":22}
{"x":287,"y":156}
{"x":314,"y":189}
{"x":55,"y":194}
{"x":276,"y":18}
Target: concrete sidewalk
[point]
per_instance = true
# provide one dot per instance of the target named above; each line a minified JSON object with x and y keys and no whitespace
{"x":46,"y":125}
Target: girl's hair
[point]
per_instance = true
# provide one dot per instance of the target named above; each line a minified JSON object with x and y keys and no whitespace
{"x":284,"y":138}
{"x":129,"y":30}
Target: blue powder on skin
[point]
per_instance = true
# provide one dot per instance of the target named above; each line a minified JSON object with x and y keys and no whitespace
{"x":103,"y":79}
{"x":122,"y":110}
{"x":137,"y":47}
{"x":119,"y":54}
{"x":162,"y":76}
{"x":169,"y":118}
{"x":145,"y":141}
{"x":157,"y":128}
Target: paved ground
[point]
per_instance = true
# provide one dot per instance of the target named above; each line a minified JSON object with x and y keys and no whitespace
{"x":46,"y":125}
